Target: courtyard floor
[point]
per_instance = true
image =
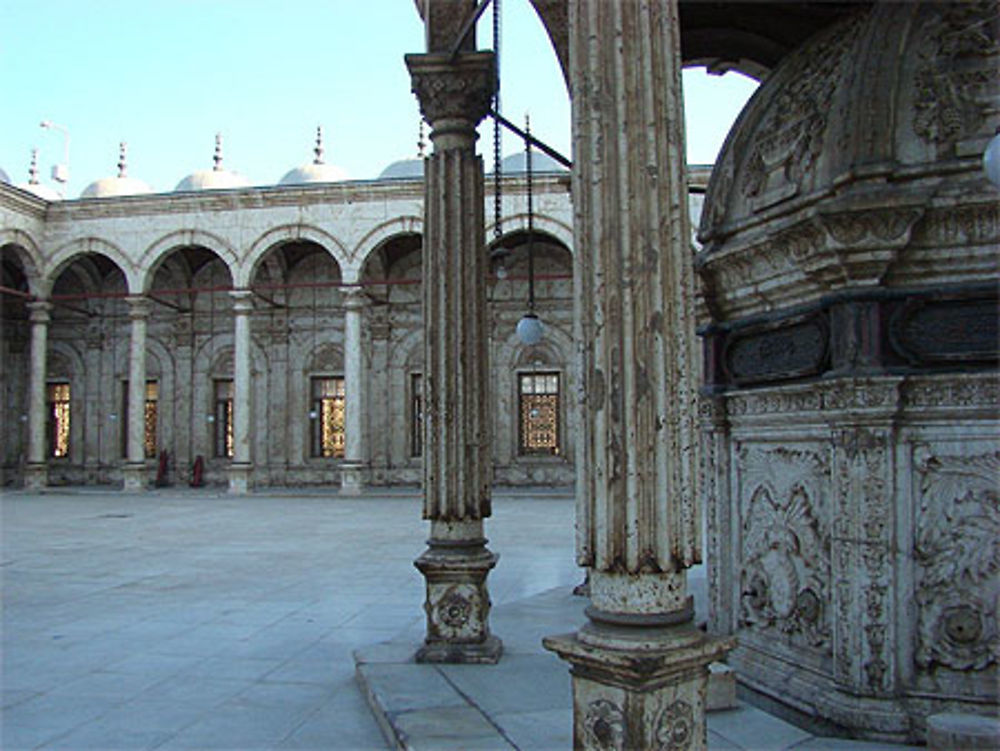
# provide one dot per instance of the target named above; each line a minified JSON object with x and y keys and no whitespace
{"x":193,"y":619}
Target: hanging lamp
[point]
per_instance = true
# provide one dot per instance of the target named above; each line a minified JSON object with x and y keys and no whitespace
{"x":529,"y":328}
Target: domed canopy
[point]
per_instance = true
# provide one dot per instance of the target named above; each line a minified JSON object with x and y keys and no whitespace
{"x":119,"y":185}
{"x":4,"y":177}
{"x":35,"y":187}
{"x":403,"y":169}
{"x":317,"y":171}
{"x":215,"y":178}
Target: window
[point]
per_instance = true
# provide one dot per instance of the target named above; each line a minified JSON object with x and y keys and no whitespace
{"x":326,"y":417}
{"x":538,"y":413}
{"x":223,"y":418}
{"x":58,"y":423}
{"x":149,"y":419}
{"x":416,"y":415}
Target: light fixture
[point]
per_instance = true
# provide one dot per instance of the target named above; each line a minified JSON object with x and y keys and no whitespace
{"x":991,"y":159}
{"x":313,"y":414}
{"x":529,"y":328}
{"x":60,"y":172}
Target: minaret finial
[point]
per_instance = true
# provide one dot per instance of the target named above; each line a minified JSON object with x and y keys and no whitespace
{"x":33,"y":169}
{"x":122,"y":167}
{"x":421,"y":144}
{"x":318,"y":151}
{"x":218,"y":153}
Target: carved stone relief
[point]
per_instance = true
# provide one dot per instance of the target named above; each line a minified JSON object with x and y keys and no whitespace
{"x":785,"y":574}
{"x":604,"y":726}
{"x":957,"y":551}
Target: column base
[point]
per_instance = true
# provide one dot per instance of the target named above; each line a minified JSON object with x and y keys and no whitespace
{"x":650,"y":696}
{"x":36,"y":476}
{"x":458,"y":603}
{"x":239,"y":478}
{"x":352,"y":478}
{"x":134,"y":476}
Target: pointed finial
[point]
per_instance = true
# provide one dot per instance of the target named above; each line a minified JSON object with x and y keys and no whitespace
{"x":122,"y":167}
{"x":318,"y":151}
{"x":218,"y":153}
{"x":421,"y":144}
{"x":33,"y":169}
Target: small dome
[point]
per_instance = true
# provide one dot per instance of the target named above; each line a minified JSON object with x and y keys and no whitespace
{"x":216,"y":178}
{"x":119,"y":185}
{"x":317,"y":171}
{"x":35,"y":187}
{"x":540,"y":162}
{"x":403,"y":169}
{"x":4,"y":177}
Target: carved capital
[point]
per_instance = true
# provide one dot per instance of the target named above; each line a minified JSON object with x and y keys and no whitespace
{"x":453,"y":95}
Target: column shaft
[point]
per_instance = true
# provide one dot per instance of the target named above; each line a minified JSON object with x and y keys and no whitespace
{"x":352,"y":468}
{"x":241,"y":466}
{"x":36,"y":475}
{"x":135,"y":466}
{"x":639,"y":665}
{"x":454,"y":96}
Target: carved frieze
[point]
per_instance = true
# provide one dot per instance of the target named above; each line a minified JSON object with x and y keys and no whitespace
{"x":785,"y":548}
{"x":957,"y":551}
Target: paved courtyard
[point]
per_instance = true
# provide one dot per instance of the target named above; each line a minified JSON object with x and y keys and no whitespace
{"x":178,"y":619}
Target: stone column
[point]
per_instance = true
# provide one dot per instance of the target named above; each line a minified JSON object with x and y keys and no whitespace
{"x":36,"y":472}
{"x":134,"y":471}
{"x":454,"y":96}
{"x":241,"y":466}
{"x":353,"y":467}
{"x":639,"y":666}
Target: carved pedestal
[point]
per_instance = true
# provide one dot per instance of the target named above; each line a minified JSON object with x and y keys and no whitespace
{"x":458,"y":603}
{"x":239,"y":477}
{"x":134,"y":476}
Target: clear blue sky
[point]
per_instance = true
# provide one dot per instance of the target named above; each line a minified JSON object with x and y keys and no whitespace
{"x":166,"y":75}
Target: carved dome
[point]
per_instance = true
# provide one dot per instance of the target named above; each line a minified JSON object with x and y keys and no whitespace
{"x":118,"y":185}
{"x":846,"y":150}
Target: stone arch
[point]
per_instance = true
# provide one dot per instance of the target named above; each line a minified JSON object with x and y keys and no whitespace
{"x":543,"y":224}
{"x":23,"y":246}
{"x":408,"y":224}
{"x":150,"y":259}
{"x":288,"y":233}
{"x":66,"y":254}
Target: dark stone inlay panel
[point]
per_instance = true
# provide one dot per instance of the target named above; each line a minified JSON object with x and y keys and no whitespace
{"x":794,"y":349}
{"x":936,"y":331}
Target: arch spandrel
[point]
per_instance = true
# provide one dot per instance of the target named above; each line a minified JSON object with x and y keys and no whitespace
{"x":152,"y":257}
{"x":277,"y":236}
{"x":403,"y":225}
{"x":545,"y":225}
{"x":24,"y":247}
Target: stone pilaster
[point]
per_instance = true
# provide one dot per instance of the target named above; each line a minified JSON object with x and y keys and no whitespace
{"x":36,"y":472}
{"x":352,"y":469}
{"x":241,"y":466}
{"x":134,"y":471}
{"x":454,"y":96}
{"x":640,"y":668}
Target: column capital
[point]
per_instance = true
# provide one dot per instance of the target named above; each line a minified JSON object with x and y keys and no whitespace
{"x":39,"y":311}
{"x":139,"y":306}
{"x":454,"y":95}
{"x":353,"y":298}
{"x":242,"y":301}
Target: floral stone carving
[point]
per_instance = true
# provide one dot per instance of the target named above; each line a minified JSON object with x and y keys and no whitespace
{"x":604,"y":726}
{"x":785,"y":579}
{"x":958,"y":553}
{"x":675,"y":727}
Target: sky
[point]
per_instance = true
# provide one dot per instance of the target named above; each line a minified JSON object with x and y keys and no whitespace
{"x":167,"y":75}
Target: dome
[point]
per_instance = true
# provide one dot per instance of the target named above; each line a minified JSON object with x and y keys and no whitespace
{"x":540,"y":162}
{"x":316,"y":171}
{"x":119,"y":185}
{"x":216,"y":178}
{"x":403,"y":169}
{"x":851,"y":155}
{"x":35,"y":187}
{"x":4,"y":177}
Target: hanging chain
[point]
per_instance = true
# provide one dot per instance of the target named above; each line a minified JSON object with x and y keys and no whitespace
{"x":497,"y":170}
{"x":531,"y":216}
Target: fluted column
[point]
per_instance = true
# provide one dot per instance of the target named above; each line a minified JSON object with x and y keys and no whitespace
{"x":134,"y":471}
{"x":454,"y":96}
{"x":241,"y":466}
{"x":36,"y":472}
{"x":639,"y":665}
{"x":353,"y":467}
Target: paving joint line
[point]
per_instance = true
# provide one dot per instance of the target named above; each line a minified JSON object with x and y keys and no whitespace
{"x":481,"y":711}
